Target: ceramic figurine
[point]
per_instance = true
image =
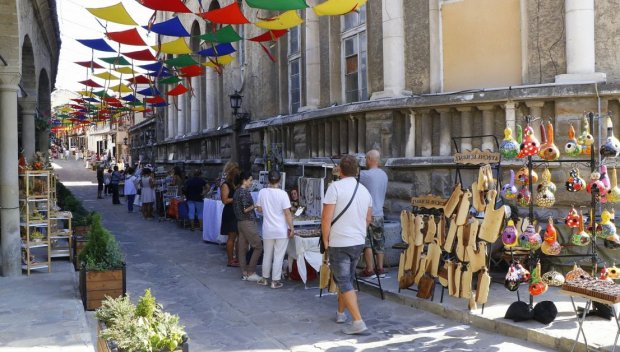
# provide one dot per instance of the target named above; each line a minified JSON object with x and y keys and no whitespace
{"x":530,"y":239}
{"x":572,"y":219}
{"x":581,"y":237}
{"x":585,"y":139}
{"x":509,"y":191}
{"x":613,"y":195}
{"x":550,"y":245}
{"x":575,"y":183}
{"x":549,"y":151}
{"x":512,"y":280}
{"x":609,"y":149}
{"x":509,"y":147}
{"x":530,"y":145}
{"x":509,"y":235}
{"x":572,"y":148}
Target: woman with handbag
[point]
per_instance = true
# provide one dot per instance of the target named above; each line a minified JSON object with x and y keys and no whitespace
{"x":147,"y":193}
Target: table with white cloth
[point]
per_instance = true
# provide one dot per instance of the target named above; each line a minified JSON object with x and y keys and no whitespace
{"x":212,"y":219}
{"x":304,"y":249}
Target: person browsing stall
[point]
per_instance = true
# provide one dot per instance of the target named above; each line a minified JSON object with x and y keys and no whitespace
{"x":347,"y":211}
{"x":243,"y":204}
{"x":194,"y":191}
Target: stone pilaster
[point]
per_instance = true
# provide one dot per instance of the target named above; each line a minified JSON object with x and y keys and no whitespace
{"x":426,"y":132}
{"x":181,"y":116}
{"x":436,"y":61}
{"x":211,"y":94}
{"x":466,"y":124}
{"x":195,"y":105}
{"x":445,"y":134}
{"x":510,"y":115}
{"x":488,"y":114}
{"x":170,"y":133}
{"x":28,"y":113}
{"x":312,"y":59}
{"x":410,"y":146}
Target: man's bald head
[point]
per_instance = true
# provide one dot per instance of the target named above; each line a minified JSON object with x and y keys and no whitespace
{"x":372,"y":158}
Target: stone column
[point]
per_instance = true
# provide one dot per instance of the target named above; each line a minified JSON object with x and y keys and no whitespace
{"x":343,"y":135}
{"x":170,"y":116}
{"x":28,"y":127}
{"x":426,"y":133}
{"x":44,"y":141}
{"x":410,"y":146}
{"x":212,"y":120}
{"x":335,"y":137}
{"x":392,"y":13}
{"x":580,"y":52}
{"x":467,"y":122}
{"x":312,"y":59}
{"x":436,"y":57}
{"x":445,"y":134}
{"x":361,"y":134}
{"x":352,"y":134}
{"x":487,"y":126}
{"x":536,"y":112}
{"x":327,"y":137}
{"x":511,"y":116}
{"x":181,"y":113}
{"x":195,"y":105}
{"x":10,"y":243}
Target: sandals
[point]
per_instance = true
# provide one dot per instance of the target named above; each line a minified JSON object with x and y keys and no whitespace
{"x":233,"y":263}
{"x":276,"y":284}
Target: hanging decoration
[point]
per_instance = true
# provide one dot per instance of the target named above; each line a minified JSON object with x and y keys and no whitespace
{"x":106,"y":76}
{"x":149,"y":92}
{"x":218,"y":50}
{"x":225,"y":34}
{"x":550,"y":245}
{"x":219,"y":61}
{"x":510,"y":235}
{"x":172,"y":28}
{"x":177,"y":46}
{"x":141,"y":55}
{"x":610,"y":149}
{"x":120,"y":88}
{"x":141,"y":79}
{"x":116,"y":61}
{"x":230,"y":14}
{"x":277,"y":5}
{"x":548,"y":150}
{"x":166,"y":5}
{"x":509,"y":147}
{"x":89,"y":64}
{"x":575,"y":183}
{"x":530,"y":145}
{"x":572,"y":148}
{"x":128,"y":37}
{"x":285,"y":20}
{"x":91,"y":83}
{"x":124,"y":70}
{"x":115,"y":13}
{"x":581,"y":237}
{"x":545,"y":198}
{"x":585,"y":139}
{"x":181,"y":61}
{"x":96,"y":44}
{"x":178,"y":90}
{"x":191,"y":71}
{"x":613,"y":195}
{"x":509,"y":190}
{"x":169,"y":80}
{"x":338,"y":7}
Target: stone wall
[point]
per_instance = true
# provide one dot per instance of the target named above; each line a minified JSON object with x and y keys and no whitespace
{"x":546,"y":48}
{"x":607,"y":37}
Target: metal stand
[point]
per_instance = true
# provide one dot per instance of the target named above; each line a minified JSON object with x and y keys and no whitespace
{"x":581,"y":317}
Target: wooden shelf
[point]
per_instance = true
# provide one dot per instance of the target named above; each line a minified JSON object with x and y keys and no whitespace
{"x":31,"y":181}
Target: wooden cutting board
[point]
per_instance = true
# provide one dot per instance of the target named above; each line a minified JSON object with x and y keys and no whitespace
{"x":464,"y":205}
{"x":433,"y":255}
{"x":431,"y":229}
{"x":466,"y":280}
{"x":482,"y":290}
{"x":477,"y":195}
{"x":493,"y":219}
{"x":441,"y":231}
{"x":449,"y":243}
{"x":477,"y":257}
{"x":418,"y":225}
{"x":453,"y":201}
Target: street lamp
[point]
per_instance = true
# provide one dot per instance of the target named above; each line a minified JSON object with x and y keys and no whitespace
{"x":125,"y":141}
{"x":235,"y":102}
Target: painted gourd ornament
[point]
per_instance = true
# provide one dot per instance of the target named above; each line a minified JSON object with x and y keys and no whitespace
{"x":523,"y":176}
{"x":512,"y":280}
{"x":572,"y":219}
{"x":581,"y":237}
{"x":596,"y":187}
{"x":545,"y":181}
{"x":572,"y":148}
{"x":530,"y":239}
{"x":605,"y":179}
{"x":509,"y":234}
{"x":604,"y":276}
{"x":524,"y":274}
{"x":613,"y":272}
{"x":606,"y":227}
{"x":553,"y":278}
{"x":612,"y":242}
{"x":585,"y":139}
{"x":509,"y":190}
{"x":530,"y":145}
{"x":575,"y":183}
{"x":537,"y":286}
{"x":613,"y":195}
{"x":609,"y":149}
{"x":576,"y":273}
{"x":550,"y":245}
{"x":509,"y":147}
{"x":524,"y":197}
{"x":545,"y":198}
{"x":549,"y":151}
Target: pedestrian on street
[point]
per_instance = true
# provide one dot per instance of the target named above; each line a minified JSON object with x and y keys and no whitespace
{"x":147,"y":184}
{"x":107,"y":178}
{"x":274,"y":204}
{"x":347,"y":211}
{"x":243,"y":205}
{"x":100,"y":177}
{"x":130,"y":188}
{"x":194,"y":194}
{"x":375,"y":180}
{"x":229,"y":221}
{"x":115,"y":179}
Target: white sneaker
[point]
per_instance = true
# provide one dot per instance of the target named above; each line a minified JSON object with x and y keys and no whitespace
{"x":253,"y":278}
{"x":341,"y":318}
{"x":356,"y":328}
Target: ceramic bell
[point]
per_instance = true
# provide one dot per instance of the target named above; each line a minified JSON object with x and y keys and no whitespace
{"x":530,"y":239}
{"x":575,"y":183}
{"x":509,"y":234}
{"x":530,"y":145}
{"x":585,"y":139}
{"x":572,"y":148}
{"x":553,"y":278}
{"x":509,"y":191}
{"x":509,"y":147}
{"x":596,"y":187}
{"x":548,"y":151}
{"x":537,"y":286}
{"x":550,"y":245}
{"x":523,"y":176}
{"x":545,"y":198}
{"x":576,"y":273}
{"x":613,"y":195}
{"x":609,"y":149}
{"x":524,"y":197}
{"x":581,"y":237}
{"x":613,"y":272}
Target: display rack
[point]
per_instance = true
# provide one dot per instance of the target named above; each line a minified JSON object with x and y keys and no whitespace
{"x":34,"y":204}
{"x":61,"y":237}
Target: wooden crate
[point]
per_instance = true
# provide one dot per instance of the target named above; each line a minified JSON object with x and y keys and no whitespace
{"x":96,"y":285}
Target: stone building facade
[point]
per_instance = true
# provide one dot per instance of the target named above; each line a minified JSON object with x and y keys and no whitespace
{"x":29,"y":52}
{"x":404,"y":77}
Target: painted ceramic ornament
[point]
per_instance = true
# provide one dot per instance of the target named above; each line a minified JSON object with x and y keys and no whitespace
{"x":545,"y":198}
{"x":512,"y":280}
{"x":537,"y":285}
{"x":553,"y":278}
{"x":524,"y":197}
{"x":545,"y":181}
{"x":606,"y":227}
{"x":596,"y":187}
{"x":548,"y":151}
{"x":572,"y":219}
{"x":530,"y":145}
{"x":613,"y":272}
{"x":509,"y":234}
{"x":572,"y":148}
{"x":604,"y":276}
{"x":550,"y":245}
{"x":610,"y":148}
{"x":509,"y":190}
{"x":581,"y":237}
{"x":585,"y":139}
{"x":575,"y":183}
{"x":613,"y":195}
{"x":523,"y":176}
{"x":530,"y":239}
{"x":509,"y":147}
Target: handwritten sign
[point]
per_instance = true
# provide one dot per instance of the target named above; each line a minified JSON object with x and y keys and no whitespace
{"x":428,"y":202}
{"x":476,"y":157}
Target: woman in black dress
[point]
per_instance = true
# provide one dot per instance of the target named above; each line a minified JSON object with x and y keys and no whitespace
{"x":229,"y":220}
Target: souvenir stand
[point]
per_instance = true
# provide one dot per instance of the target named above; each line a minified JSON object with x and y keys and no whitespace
{"x":34,"y":206}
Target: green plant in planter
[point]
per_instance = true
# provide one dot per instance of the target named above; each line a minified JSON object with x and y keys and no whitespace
{"x":112,"y":308}
{"x":102,"y":252}
{"x":146,"y":305}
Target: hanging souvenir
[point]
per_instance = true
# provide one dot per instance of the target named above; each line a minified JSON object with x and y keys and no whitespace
{"x":612,"y":242}
{"x":604,"y":276}
{"x":596,"y":187}
{"x":550,"y":245}
{"x":523,"y":176}
{"x":509,"y":191}
{"x":613,"y":272}
{"x":509,"y":234}
{"x":572,"y":219}
{"x":585,"y":139}
{"x":524,"y":197}
{"x":512,"y":280}
{"x":509,"y":147}
{"x":553,"y":278}
{"x":548,"y":151}
{"x":530,"y":145}
{"x":613,"y":195}
{"x":530,"y":239}
{"x":575,"y":183}
{"x":610,"y":148}
{"x":606,"y":227}
{"x":581,"y":237}
{"x":545,"y":198}
{"x":576,"y":273}
{"x":605,"y":179}
{"x":524,"y":274}
{"x":572,"y":148}
{"x":537,"y":286}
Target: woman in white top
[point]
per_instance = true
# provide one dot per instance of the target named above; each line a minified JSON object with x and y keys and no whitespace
{"x":147,"y":193}
{"x":130,"y":188}
{"x":275,"y":205}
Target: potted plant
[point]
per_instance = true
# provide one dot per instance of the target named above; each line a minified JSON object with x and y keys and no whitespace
{"x":102,"y":269}
{"x":125,"y":327}
{"x":81,"y":228}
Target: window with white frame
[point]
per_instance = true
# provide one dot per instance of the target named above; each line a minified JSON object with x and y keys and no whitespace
{"x":354,"y":56}
{"x":294,"y":69}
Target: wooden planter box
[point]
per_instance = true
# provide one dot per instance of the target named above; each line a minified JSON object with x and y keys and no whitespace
{"x":96,"y":285}
{"x":79,"y":242}
{"x":109,"y":346}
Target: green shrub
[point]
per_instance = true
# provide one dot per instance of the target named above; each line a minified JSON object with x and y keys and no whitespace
{"x":146,"y":305}
{"x":102,"y":251}
{"x":67,"y":201}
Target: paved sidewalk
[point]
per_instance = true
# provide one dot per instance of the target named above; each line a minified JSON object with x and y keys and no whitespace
{"x":223,"y":313}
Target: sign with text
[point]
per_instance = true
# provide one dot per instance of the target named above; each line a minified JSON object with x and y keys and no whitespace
{"x":428,"y":202}
{"x":476,"y":157}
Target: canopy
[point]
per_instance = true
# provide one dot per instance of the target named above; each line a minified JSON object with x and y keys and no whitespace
{"x":89,"y":64}
{"x":97,"y":44}
{"x":139,"y":80}
{"x":128,"y":37}
{"x":141,"y":55}
{"x":121,"y":88}
{"x":150,"y":91}
{"x":181,"y":61}
{"x":285,"y":20}
{"x":115,"y":13}
{"x":230,"y":14}
{"x":218,"y":50}
{"x":178,"y":90}
{"x":155,"y":100}
{"x":277,"y":5}
{"x":116,"y":60}
{"x":170,"y":80}
{"x":130,"y":98}
{"x":177,"y":46}
{"x":90,"y":83}
{"x":172,"y":27}
{"x":106,"y":75}
{"x":219,"y":61}
{"x":191,"y":71}
{"x":224,"y":35}
{"x":156,"y":66}
{"x":101,"y":94}
{"x":166,"y":5}
{"x":337,"y":7}
{"x":124,"y":70}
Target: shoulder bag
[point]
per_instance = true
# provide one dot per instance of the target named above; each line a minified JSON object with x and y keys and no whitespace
{"x":321,"y":244}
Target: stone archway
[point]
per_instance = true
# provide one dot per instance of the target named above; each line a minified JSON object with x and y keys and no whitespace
{"x":44,"y":112}
{"x":27,"y":100}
